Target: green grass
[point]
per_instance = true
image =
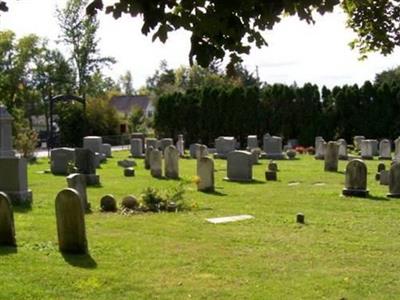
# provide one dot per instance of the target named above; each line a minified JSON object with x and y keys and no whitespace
{"x":348,"y":249}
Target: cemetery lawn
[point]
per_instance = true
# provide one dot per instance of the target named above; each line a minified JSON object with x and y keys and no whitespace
{"x":348,"y":249}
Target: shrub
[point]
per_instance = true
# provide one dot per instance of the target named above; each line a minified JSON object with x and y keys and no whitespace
{"x":171,"y":200}
{"x":26,"y":142}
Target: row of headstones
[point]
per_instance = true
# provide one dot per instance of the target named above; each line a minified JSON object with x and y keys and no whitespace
{"x":356,"y":179}
{"x":139,"y":145}
{"x":154,"y":158}
{"x":369,"y":148}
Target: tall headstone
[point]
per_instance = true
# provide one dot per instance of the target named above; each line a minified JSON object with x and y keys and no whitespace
{"x":224,"y":145}
{"x":70,"y":216}
{"x":320,"y":146}
{"x":331,"y":157}
{"x":252,"y":142}
{"x":385,"y":149}
{"x":136,"y":148}
{"x":171,"y":162}
{"x":375,"y":145}
{"x":201,"y":151}
{"x":357,"y":141}
{"x":205,"y":172}
{"x":342,"y":149}
{"x":165,"y":142}
{"x":77,"y":182}
{"x":397,"y":149}
{"x":6,"y":119}
{"x":60,"y":158}
{"x":239,"y":166}
{"x":367,"y":149}
{"x":85,"y":162}
{"x":272,"y":147}
{"x":139,"y":135}
{"x":356,"y":179}
{"x":193,"y":149}
{"x":394,"y":181}
{"x":180,"y":145}
{"x":147,"y":157}
{"x":156,"y":163}
{"x":7,"y":229}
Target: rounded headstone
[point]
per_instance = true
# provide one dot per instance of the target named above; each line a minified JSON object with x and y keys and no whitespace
{"x":108,"y":203}
{"x":331,"y":157}
{"x":394,"y":181}
{"x":130,"y":202}
{"x":356,"y":179}
{"x":7,"y":229}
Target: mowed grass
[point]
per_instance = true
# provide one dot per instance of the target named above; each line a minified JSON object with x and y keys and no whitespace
{"x":348,"y":249}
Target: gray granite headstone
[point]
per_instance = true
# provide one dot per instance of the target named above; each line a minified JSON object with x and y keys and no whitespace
{"x":331,"y":157}
{"x":320,"y":146}
{"x":165,"y":142}
{"x":367,"y":151}
{"x":7,"y":229}
{"x":201,"y":151}
{"x":60,"y":158}
{"x":357,"y":141}
{"x":78,"y":182}
{"x":356,"y":179}
{"x":152,"y":142}
{"x":106,"y":149}
{"x":85,"y":162}
{"x":70,"y":216}
{"x":224,"y":145}
{"x":272,"y":147}
{"x":252,"y":142}
{"x":147,"y":157}
{"x":193,"y":149}
{"x":136,"y":148}
{"x":385,"y":149}
{"x":394,"y":181}
{"x":255,"y":153}
{"x":384,"y":177}
{"x":342,"y":149}
{"x":156,"y":163}
{"x":171,"y":162}
{"x":397,"y":149}
{"x":239,"y":166}
{"x":205,"y":172}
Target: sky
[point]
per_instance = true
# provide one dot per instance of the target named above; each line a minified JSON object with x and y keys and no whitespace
{"x":297,"y":52}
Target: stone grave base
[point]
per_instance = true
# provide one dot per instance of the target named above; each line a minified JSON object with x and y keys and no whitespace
{"x":20,"y":197}
{"x":355,"y":193}
{"x":92,"y":179}
{"x":275,"y":156}
{"x":237,"y":179}
{"x":384,"y":158}
{"x":138,"y":156}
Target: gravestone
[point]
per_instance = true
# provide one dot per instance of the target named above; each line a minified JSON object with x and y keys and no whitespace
{"x":156,"y":163}
{"x":70,"y":216}
{"x":171,"y":162}
{"x":6,"y":143}
{"x":13,"y":170}
{"x":272,"y":166}
{"x":126,"y":163}
{"x":239,"y":166}
{"x":108,"y":203}
{"x":205,"y":172}
{"x":394,"y":181}
{"x":130,"y":202}
{"x":193,"y":149}
{"x":7,"y":229}
{"x":136,"y":148}
{"x":106,"y":149}
{"x":201,"y":151}
{"x":331,"y":157}
{"x":129,"y":172}
{"x":60,"y":158}
{"x":272,"y":147}
{"x":180,"y":145}
{"x":397,"y":149}
{"x":357,"y":141}
{"x":384,"y":177}
{"x":78,"y":182}
{"x":147,"y":157}
{"x":255,"y":154}
{"x":252,"y":142}
{"x":139,"y":135}
{"x":367,"y":149}
{"x":356,"y":179}
{"x":271,"y":175}
{"x":381,"y":167}
{"x":320,"y":146}
{"x":85,"y":162}
{"x":375,"y":150}
{"x":385,"y":150}
{"x":95,"y":143}
{"x":164,"y":143}
{"x":342,"y":149}
{"x":224,"y":145}
{"x":152,"y":142}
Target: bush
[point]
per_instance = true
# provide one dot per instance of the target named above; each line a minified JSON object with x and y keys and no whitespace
{"x":102,"y":119}
{"x":26,"y":142}
{"x":171,"y":200}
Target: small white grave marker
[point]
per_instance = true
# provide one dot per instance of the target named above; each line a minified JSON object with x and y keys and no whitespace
{"x":229,"y":219}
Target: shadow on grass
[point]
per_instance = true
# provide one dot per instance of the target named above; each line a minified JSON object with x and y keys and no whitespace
{"x":22,"y":208}
{"x":7,"y":250}
{"x":214,"y":193}
{"x":254,"y":181}
{"x":84,"y":261}
{"x":95,"y":186}
{"x":377,"y":198}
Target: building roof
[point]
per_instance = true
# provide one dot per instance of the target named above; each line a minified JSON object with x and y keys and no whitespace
{"x":125,"y":104}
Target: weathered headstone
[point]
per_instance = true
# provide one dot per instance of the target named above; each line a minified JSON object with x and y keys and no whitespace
{"x":6,"y":143}
{"x":357,"y":141}
{"x":152,"y":142}
{"x":126,"y":163}
{"x":397,"y":149}
{"x":271,"y":175}
{"x":300,"y":218}
{"x":70,"y":216}
{"x":108,"y":203}
{"x":375,"y":145}
{"x":130,"y":202}
{"x":367,"y":149}
{"x":60,"y":159}
{"x":7,"y":229}
{"x":165,"y":142}
{"x":180,"y":145}
{"x":255,"y":154}
{"x":78,"y":182}
{"x":384,"y":177}
{"x":394,"y":181}
{"x":156,"y":163}
{"x":94,"y":143}
{"x":147,"y":157}
{"x":272,"y":166}
{"x":272,"y":146}
{"x":343,"y":149}
{"x":205,"y":172}
{"x":139,"y":135}
{"x":106,"y":149}
{"x":291,"y":153}
{"x":239,"y":166}
{"x":85,"y":162}
{"x":385,"y":149}
{"x":224,"y":145}
{"x":331,"y":157}
{"x":136,"y":148}
{"x":356,"y":179}
{"x":171,"y":162}
{"x":193,"y":149}
{"x":381,"y":167}
{"x":252,"y":142}
{"x":320,"y":146}
{"x":201,"y":151}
